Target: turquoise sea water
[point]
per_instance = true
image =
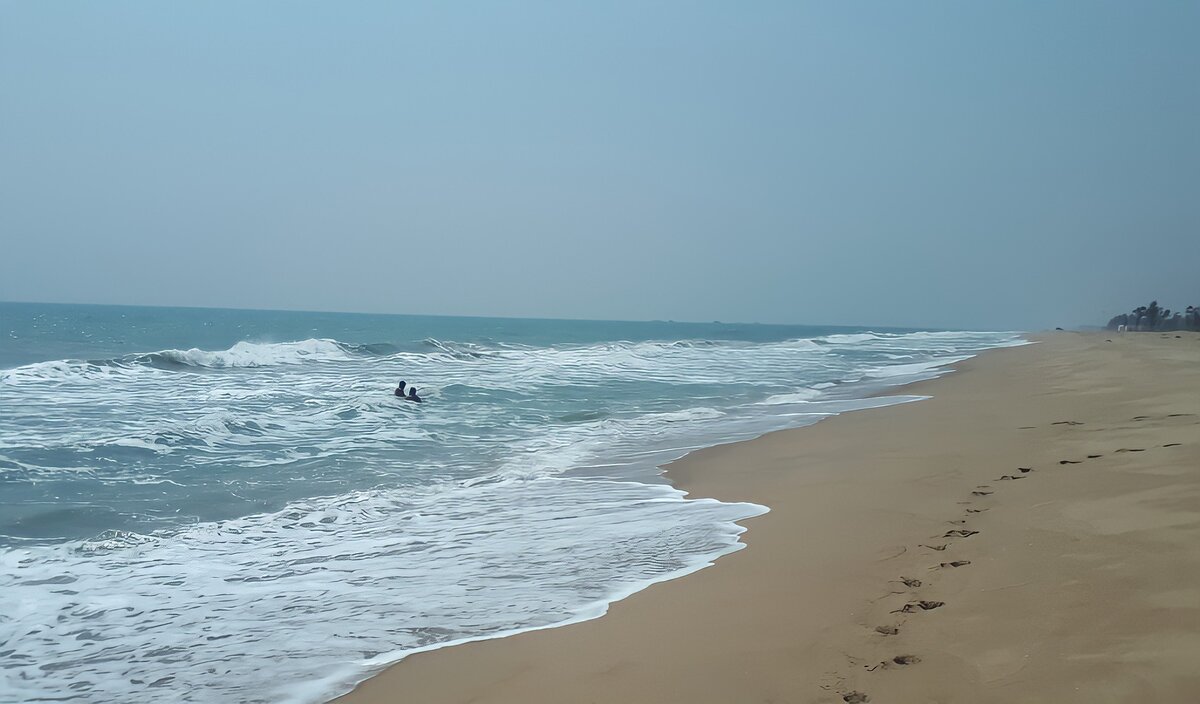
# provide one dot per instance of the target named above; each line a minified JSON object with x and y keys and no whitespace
{"x":186,"y":493}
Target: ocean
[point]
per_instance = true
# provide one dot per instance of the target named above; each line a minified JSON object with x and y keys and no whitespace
{"x":206,"y":505}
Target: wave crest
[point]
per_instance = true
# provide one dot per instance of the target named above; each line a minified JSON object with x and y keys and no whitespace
{"x":458,"y":350}
{"x":250,"y":354}
{"x":241,"y":355}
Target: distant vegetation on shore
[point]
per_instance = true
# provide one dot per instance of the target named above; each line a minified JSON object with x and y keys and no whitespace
{"x":1152,"y":318}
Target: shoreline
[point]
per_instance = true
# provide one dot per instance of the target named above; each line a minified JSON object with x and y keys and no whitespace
{"x":793,"y":615}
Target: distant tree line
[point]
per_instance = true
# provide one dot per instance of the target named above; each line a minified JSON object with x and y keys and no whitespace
{"x":1151,"y":318}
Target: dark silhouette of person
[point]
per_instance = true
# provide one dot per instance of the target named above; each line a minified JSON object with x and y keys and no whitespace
{"x":400,"y":390}
{"x":412,"y":394}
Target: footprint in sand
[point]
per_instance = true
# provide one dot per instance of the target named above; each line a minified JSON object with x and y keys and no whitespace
{"x":1010,"y":476}
{"x":960,"y":533}
{"x":1025,"y":470}
{"x":855,"y":698}
{"x":1132,"y":449}
{"x":956,"y":563}
{"x":976,"y":510}
{"x":981,"y":493}
{"x":1092,"y":457}
{"x":1026,"y":427}
{"x":887,"y":630}
{"x":1072,"y":461}
{"x":1172,"y":444}
{"x":898,"y":660}
{"x":910,"y":582}
{"x":1066,"y":422}
{"x":915,"y":606}
{"x":934,"y":547}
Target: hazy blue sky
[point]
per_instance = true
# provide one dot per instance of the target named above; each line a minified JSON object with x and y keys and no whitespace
{"x":1003,"y":164}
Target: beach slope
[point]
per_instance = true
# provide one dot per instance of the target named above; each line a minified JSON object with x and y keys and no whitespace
{"x":1028,"y":534}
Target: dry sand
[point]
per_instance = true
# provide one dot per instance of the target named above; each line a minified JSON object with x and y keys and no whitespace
{"x":1078,"y":582}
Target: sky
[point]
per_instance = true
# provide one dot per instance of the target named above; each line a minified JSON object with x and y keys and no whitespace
{"x":999,"y":165}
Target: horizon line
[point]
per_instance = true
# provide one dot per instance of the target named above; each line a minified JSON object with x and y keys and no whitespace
{"x":503,"y":317}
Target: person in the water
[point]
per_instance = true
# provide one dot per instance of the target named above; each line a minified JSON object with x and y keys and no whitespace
{"x":400,"y":390}
{"x":412,"y":394}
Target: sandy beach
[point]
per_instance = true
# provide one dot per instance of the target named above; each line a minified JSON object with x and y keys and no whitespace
{"x":1030,"y":533}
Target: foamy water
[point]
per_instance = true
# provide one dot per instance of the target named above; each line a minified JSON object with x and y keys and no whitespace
{"x":265,"y":522}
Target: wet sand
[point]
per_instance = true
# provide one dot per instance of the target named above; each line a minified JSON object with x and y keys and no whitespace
{"x":1029,"y":534}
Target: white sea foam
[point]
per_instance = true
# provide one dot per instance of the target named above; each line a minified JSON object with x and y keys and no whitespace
{"x":850,"y":339}
{"x":241,"y":355}
{"x":801,"y":396}
{"x":917,"y":368}
{"x":252,"y":354}
{"x":56,"y":371}
{"x":230,"y":610}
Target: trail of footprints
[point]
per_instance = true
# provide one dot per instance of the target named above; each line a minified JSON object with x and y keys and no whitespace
{"x":921,"y":605}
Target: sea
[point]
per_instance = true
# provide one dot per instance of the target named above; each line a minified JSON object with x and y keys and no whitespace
{"x":209,"y":505}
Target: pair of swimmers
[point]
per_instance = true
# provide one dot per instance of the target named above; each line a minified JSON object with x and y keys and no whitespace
{"x":412,"y":393}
